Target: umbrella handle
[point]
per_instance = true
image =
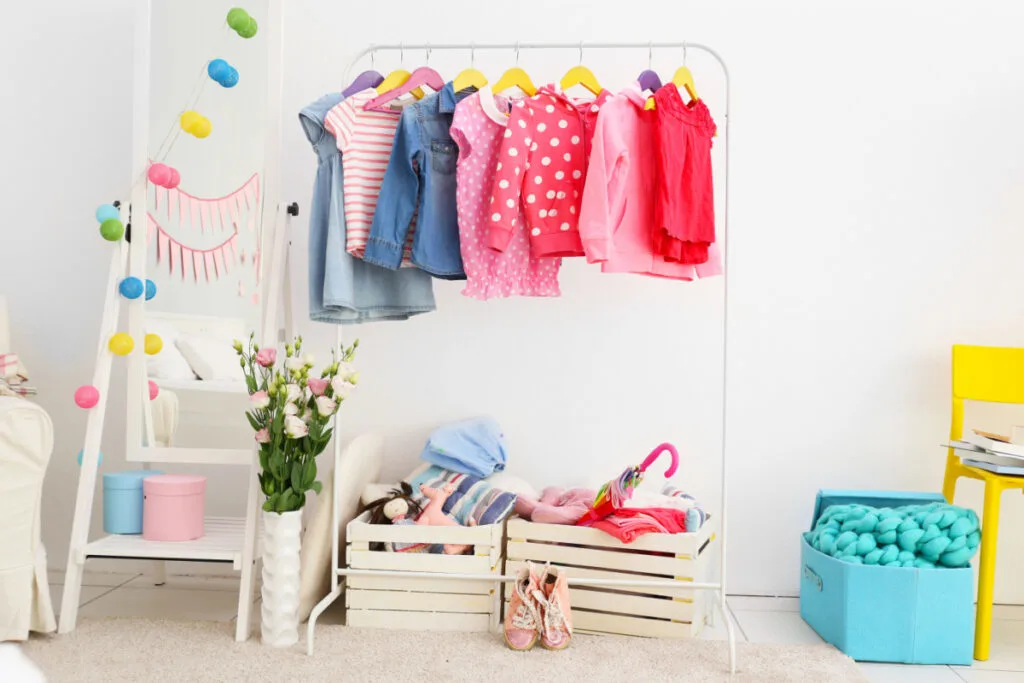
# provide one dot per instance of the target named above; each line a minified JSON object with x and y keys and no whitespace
{"x":654,"y":456}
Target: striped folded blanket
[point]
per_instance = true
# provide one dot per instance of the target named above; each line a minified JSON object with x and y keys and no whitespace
{"x":474,"y":502}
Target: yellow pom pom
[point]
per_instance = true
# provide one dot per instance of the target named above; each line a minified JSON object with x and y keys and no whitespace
{"x":153,"y":344}
{"x":121,"y":344}
{"x":188,"y":120}
{"x":202,"y":128}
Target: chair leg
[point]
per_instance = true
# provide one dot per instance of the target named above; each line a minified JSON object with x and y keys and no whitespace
{"x":949,"y":480}
{"x":987,"y":571}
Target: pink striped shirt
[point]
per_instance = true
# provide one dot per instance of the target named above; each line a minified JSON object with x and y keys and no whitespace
{"x":365,"y":139}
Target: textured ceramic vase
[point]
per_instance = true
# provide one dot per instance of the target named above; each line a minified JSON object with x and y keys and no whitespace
{"x":280,"y":610}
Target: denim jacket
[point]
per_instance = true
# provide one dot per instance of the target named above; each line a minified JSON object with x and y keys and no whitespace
{"x":420,"y":182}
{"x":343,"y":289}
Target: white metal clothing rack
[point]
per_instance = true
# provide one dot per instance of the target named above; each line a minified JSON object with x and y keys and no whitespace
{"x":717,"y":587}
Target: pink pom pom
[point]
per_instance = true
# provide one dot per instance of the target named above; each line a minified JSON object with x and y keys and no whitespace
{"x":175,"y":179}
{"x":87,"y":396}
{"x":154,"y":389}
{"x":160,"y":174}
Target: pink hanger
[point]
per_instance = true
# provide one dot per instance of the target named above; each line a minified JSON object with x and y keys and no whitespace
{"x":654,"y":456}
{"x":421,"y":76}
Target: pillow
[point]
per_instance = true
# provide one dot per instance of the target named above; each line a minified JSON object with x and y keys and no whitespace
{"x":169,"y":363}
{"x":211,"y":358}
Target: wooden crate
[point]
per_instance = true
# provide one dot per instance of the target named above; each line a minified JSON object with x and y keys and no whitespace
{"x":423,"y":604}
{"x":637,"y":611}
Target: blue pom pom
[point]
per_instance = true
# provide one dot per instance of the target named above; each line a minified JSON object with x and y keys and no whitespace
{"x":150,"y":289}
{"x":217,"y":69}
{"x":81,"y":454}
{"x":131,"y":288}
{"x":106,"y":212}
{"x":230,"y":79}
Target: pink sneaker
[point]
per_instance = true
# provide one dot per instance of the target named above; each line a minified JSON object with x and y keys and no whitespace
{"x":556,"y":619}
{"x":522,"y":619}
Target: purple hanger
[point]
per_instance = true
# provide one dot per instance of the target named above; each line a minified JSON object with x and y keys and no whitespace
{"x":649,"y":80}
{"x":367,"y":79}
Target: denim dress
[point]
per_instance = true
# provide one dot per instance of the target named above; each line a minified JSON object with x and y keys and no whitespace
{"x":344,"y":289}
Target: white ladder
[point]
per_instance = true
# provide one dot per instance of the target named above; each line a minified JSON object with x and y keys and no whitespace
{"x":227,"y":540}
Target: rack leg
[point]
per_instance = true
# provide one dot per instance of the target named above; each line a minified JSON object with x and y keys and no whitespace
{"x":315,"y":614}
{"x":730,"y":629}
{"x":72,"y":594}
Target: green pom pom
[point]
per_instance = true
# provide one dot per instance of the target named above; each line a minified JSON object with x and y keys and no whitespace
{"x":238,"y":18}
{"x":249,"y":30}
{"x":112,"y":229}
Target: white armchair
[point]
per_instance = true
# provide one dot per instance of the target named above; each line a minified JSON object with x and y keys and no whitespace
{"x":26,"y":442}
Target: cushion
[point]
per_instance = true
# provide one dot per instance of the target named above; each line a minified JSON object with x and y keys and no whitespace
{"x":211,"y":358}
{"x":169,"y":363}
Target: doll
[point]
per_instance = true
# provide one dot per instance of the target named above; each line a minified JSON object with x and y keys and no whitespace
{"x":433,"y":514}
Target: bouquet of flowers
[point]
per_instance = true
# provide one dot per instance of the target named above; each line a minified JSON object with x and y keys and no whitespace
{"x":290,"y":411}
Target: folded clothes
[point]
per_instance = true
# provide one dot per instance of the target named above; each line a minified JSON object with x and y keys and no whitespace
{"x":626,"y":524}
{"x":473,"y":502}
{"x":921,"y":536}
{"x":475,"y":447}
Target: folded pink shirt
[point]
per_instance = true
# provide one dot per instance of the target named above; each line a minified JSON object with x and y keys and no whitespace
{"x":541,"y":167}
{"x":617,"y":216}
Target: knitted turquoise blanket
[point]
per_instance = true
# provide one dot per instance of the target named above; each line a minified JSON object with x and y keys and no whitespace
{"x":922,"y":536}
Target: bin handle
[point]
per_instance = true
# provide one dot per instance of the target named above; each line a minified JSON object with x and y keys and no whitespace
{"x":812,"y":576}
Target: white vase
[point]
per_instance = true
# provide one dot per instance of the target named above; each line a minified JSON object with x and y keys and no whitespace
{"x":280,"y":609}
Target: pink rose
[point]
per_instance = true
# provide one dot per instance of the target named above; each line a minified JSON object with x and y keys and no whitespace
{"x":259,"y":400}
{"x":317,"y":386}
{"x":266,"y":357}
{"x":263,"y":436}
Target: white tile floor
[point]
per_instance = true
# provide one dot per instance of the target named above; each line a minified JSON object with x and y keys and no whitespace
{"x":759,"y":619}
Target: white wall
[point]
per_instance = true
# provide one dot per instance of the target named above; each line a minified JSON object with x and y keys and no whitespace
{"x":875,"y":181}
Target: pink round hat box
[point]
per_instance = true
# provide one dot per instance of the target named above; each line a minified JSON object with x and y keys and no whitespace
{"x":173,"y":506}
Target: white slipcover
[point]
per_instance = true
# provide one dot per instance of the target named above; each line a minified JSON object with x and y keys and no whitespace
{"x":26,"y":442}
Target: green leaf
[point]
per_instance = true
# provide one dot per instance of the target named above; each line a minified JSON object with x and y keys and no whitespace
{"x":297,"y":476}
{"x":317,"y":486}
{"x":309,"y":474}
{"x":253,"y":423}
{"x":271,"y":503}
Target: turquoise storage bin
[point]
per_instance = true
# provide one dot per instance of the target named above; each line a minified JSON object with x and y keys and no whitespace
{"x":122,"y":501}
{"x":887,"y":614}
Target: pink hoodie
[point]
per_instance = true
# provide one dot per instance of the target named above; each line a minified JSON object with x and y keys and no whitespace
{"x":617,"y":212}
{"x":540,"y":169}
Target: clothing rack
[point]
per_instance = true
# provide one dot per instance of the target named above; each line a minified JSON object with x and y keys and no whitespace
{"x":717,"y":587}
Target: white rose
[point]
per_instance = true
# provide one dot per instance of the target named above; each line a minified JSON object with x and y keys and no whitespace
{"x":308,"y":359}
{"x":294,"y":364}
{"x":295,"y":428}
{"x":342,"y":388}
{"x":346,"y":370}
{"x":291,"y":409}
{"x":307,"y":415}
{"x":259,"y":400}
{"x":294,"y":393}
{"x":325,"y":406}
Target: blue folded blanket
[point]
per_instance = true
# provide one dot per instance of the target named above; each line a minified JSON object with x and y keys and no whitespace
{"x":475,"y":447}
{"x":921,"y":536}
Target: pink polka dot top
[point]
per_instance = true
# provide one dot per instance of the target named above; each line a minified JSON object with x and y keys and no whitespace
{"x":478,"y":127}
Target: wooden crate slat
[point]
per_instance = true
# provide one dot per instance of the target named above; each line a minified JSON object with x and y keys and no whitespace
{"x":588,"y":557}
{"x":513,"y":567}
{"x":417,"y":621}
{"x":421,"y":562}
{"x":421,"y":585}
{"x":677,"y":544}
{"x":387,"y":533}
{"x":418,"y":602}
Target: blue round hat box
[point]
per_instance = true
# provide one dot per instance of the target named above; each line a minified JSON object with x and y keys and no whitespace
{"x":122,"y":501}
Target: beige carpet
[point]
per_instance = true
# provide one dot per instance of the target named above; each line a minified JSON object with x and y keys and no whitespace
{"x":150,"y":650}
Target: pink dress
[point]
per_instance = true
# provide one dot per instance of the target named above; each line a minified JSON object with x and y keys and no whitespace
{"x":478,"y":128}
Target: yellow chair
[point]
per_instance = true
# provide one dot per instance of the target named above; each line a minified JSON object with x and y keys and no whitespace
{"x":996,"y":375}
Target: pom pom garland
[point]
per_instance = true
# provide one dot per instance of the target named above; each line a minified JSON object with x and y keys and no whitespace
{"x":223,"y":73}
{"x":163,"y":175}
{"x":112,"y":229}
{"x":243,"y":24}
{"x":150,"y":289}
{"x":87,"y":396}
{"x":131,"y":288}
{"x":154,"y":390}
{"x":121,"y":344}
{"x":81,"y":454}
{"x":153,"y":344}
{"x":194,"y":123}
{"x":106,"y":212}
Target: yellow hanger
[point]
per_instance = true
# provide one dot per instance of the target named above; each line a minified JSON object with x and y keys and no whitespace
{"x":516,"y":77}
{"x":396,"y":78}
{"x":471,"y":77}
{"x":581,"y":75}
{"x":684,"y":80}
